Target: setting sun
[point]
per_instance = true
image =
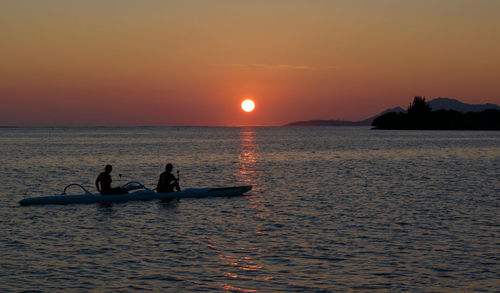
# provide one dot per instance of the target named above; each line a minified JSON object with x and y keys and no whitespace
{"x":248,"y":105}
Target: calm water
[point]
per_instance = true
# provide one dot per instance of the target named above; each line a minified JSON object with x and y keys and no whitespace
{"x":333,"y":209}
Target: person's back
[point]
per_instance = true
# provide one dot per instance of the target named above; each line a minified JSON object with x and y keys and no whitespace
{"x":103,"y":183}
{"x":164,"y":183}
{"x":167,"y":181}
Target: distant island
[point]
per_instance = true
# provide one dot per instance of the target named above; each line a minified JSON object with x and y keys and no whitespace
{"x":421,"y":117}
{"x":366,"y":122}
{"x":437,"y":105}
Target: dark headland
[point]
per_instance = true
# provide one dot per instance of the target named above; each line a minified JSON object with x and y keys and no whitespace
{"x":420,"y":116}
{"x":437,"y":114}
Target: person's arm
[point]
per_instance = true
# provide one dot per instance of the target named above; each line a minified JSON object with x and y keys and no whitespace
{"x":175,"y":183}
{"x":97,"y":183}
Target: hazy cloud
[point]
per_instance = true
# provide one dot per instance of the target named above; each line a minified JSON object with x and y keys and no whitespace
{"x":275,"y":66}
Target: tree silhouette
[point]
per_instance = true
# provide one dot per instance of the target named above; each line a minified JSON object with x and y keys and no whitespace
{"x":419,"y":106}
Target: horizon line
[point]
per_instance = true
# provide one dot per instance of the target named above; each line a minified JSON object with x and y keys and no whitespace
{"x":171,"y":126}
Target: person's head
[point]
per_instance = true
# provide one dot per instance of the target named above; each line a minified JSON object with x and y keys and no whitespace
{"x":169,"y":167}
{"x":108,"y":169}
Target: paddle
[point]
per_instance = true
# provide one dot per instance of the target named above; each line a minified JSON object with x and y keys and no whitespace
{"x":178,"y":177}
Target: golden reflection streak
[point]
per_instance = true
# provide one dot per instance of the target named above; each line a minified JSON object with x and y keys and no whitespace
{"x":229,"y":288}
{"x":247,"y":159}
{"x":247,"y":173}
{"x":243,"y":263}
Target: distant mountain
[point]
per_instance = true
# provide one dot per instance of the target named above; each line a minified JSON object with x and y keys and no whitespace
{"x":452,"y":104}
{"x":436,"y":104}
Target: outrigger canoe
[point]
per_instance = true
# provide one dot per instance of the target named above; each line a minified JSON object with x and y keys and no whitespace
{"x":140,"y":193}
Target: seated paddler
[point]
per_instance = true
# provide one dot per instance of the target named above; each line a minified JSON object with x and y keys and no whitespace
{"x":167,"y":181}
{"x":103,"y":182}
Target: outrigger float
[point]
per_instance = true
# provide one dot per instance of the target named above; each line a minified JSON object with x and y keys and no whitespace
{"x":140,"y":192}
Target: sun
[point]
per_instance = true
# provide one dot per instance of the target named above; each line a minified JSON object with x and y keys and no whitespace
{"x":248,"y":105}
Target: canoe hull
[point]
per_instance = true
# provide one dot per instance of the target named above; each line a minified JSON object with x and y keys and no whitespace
{"x":135,"y":196}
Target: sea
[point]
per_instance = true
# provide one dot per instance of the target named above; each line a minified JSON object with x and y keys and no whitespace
{"x":332,"y":209}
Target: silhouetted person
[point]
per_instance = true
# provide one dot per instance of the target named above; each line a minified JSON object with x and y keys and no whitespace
{"x":103,"y":182}
{"x":167,"y":181}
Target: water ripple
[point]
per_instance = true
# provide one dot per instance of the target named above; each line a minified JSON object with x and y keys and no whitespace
{"x":332,"y":209}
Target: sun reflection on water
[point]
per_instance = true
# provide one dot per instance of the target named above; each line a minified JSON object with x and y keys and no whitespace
{"x":238,"y":259}
{"x":247,"y":159}
{"x":238,"y":266}
{"x":248,"y":173}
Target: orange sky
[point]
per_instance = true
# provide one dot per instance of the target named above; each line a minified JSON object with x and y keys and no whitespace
{"x":192,"y":62}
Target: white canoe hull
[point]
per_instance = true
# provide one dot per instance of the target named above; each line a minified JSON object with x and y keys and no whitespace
{"x":137,"y":195}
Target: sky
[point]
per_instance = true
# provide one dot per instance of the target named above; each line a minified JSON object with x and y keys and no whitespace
{"x":174,"y":63}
